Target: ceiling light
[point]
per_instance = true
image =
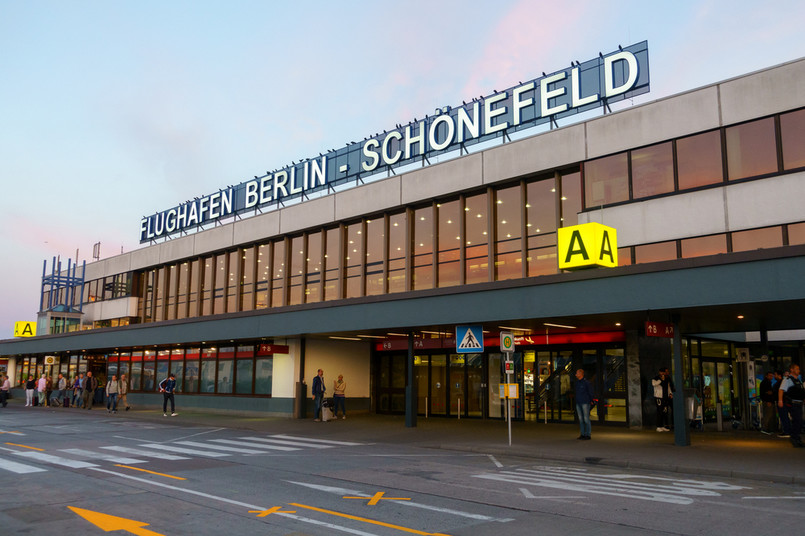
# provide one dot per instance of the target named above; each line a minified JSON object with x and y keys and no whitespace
{"x":559,"y":326}
{"x":346,"y":338}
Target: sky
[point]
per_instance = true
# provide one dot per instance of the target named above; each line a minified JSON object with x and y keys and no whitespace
{"x":112,"y":111}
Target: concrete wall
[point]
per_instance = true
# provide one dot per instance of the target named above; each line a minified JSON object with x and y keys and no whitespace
{"x":336,"y":357}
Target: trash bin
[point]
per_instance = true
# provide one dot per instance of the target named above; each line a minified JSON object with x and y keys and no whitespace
{"x":300,"y":401}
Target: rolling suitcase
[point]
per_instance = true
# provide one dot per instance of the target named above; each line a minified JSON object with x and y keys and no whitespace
{"x":327,"y":414}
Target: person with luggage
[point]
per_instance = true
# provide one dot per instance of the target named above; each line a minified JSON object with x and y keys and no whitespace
{"x":61,"y":387}
{"x":318,"y":395}
{"x":663,"y":393}
{"x":339,"y":397}
{"x":5,"y":389}
{"x":168,"y":387}
{"x":791,"y":395}
{"x":112,"y":389}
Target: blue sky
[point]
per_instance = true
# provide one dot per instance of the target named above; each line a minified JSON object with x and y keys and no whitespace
{"x":110,"y":111}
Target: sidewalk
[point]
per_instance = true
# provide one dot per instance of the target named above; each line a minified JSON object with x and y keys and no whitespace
{"x":736,"y":453}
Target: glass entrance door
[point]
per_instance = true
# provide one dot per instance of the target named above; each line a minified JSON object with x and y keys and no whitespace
{"x":716,"y":390}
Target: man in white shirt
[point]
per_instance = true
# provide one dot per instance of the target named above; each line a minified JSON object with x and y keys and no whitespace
{"x":5,"y":387}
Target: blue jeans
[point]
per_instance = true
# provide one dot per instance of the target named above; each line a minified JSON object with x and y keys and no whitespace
{"x":585,"y":426}
{"x":111,"y":402}
{"x":785,"y":419}
{"x":339,"y":403}
{"x":317,"y":400}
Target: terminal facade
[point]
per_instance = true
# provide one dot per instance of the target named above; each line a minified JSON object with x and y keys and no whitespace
{"x":704,"y":188}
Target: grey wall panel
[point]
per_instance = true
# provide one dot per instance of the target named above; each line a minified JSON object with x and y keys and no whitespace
{"x":442,"y":179}
{"x":257,"y":228}
{"x":381,"y":195}
{"x":763,"y":93}
{"x":311,"y":213}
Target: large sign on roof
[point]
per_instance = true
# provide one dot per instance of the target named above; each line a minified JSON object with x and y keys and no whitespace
{"x":612,"y":77}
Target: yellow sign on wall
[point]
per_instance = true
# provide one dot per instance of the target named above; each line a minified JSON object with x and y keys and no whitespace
{"x":24,"y":329}
{"x":586,"y":246}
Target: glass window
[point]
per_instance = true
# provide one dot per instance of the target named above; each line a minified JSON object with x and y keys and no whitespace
{"x":769,"y":237}
{"x":232,"y":282}
{"x":208,"y":370}
{"x":162,"y":365}
{"x":652,"y":170}
{"x":398,"y":225}
{"x":354,"y":260}
{"x":247,"y":280}
{"x":263,"y":276}
{"x":423,"y":248}
{"x":751,"y":149}
{"x":111,"y":366}
{"x":181,"y":292}
{"x":375,"y":259}
{"x":661,"y":251}
{"x":191,"y":370}
{"x":541,"y":226}
{"x":508,"y":243}
{"x":704,"y":245}
{"x":172,"y":274}
{"x":124,"y":366}
{"x":136,"y":371}
{"x":263,"y":375}
{"x":699,"y":160}
{"x":571,"y":199}
{"x":192,"y":292}
{"x":278,"y":274}
{"x":206,"y":285}
{"x":625,"y":256}
{"x":149,"y":369}
{"x":332,"y":264}
{"x":177,"y":367}
{"x":606,"y":181}
{"x":796,"y":234}
{"x":313,"y":281}
{"x":297,"y":271}
{"x":225,"y":368}
{"x":159,"y":291}
{"x":792,"y":132}
{"x":476,"y":245}
{"x":449,"y":237}
{"x":219,"y":291}
{"x":244,"y":372}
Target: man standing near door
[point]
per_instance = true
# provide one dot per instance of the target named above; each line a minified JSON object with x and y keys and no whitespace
{"x":584,"y":399}
{"x":318,"y":394}
{"x":663,"y":393}
{"x":792,"y":395}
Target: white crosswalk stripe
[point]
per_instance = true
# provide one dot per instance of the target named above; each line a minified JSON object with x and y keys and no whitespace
{"x":218,"y":447}
{"x":181,"y":450}
{"x":298,"y":444}
{"x":19,"y":468}
{"x":634,"y":486}
{"x":307,"y":441}
{"x":244,"y":442}
{"x":89,"y":454}
{"x":146,"y":453}
{"x":55,"y":460}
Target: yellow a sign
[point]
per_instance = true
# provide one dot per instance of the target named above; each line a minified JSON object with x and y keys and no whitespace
{"x":586,"y":246}
{"x":24,"y":329}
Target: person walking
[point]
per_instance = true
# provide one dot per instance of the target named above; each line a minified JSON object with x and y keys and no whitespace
{"x":584,"y":399}
{"x":5,"y":388}
{"x":41,"y":390}
{"x":78,"y":386}
{"x":318,"y":394}
{"x":123,"y":398}
{"x":663,"y":393}
{"x":88,"y":393}
{"x":782,"y":412}
{"x":48,"y":390}
{"x":61,"y":389}
{"x":339,"y":396}
{"x":30,"y":388}
{"x":168,"y":387}
{"x":112,"y":389}
{"x":768,"y":403}
{"x":792,"y":395}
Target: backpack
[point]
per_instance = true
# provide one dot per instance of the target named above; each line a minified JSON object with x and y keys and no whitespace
{"x":795,"y":391}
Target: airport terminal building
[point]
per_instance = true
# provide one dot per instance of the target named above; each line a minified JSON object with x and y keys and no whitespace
{"x":374,"y":277}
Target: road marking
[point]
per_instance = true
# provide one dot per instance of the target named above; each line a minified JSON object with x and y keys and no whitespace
{"x":218,"y":447}
{"x":183,"y":450}
{"x":146,"y":453}
{"x":344,"y":491}
{"x":272,"y":510}
{"x":255,"y":445}
{"x":19,"y":468}
{"x":286,"y":442}
{"x":495,"y":461}
{"x":100,"y":455}
{"x":11,"y":432}
{"x":150,"y":472}
{"x":177,"y":489}
{"x":528,"y":495}
{"x":56,"y":460}
{"x":781,"y":497}
{"x":25,"y":447}
{"x":366,"y":520}
{"x":306,"y":440}
{"x":377,"y":497}
{"x":109,"y":523}
{"x":200,"y":433}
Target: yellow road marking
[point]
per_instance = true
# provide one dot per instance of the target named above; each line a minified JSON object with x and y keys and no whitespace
{"x":151,"y":472}
{"x":377,"y":497}
{"x":277,"y":509}
{"x":25,"y":447}
{"x":365,"y":520}
{"x":9,"y":432}
{"x":109,"y":523}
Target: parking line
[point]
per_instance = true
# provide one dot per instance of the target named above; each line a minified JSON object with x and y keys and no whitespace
{"x":25,"y":447}
{"x":366,"y":520}
{"x":150,"y":472}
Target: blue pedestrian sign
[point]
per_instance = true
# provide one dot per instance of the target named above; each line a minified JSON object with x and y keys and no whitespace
{"x":469,"y":339}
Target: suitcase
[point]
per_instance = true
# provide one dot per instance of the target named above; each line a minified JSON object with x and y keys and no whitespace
{"x":66,"y":402}
{"x":327,"y":414}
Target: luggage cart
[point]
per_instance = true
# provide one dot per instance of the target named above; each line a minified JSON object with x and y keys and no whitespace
{"x":694,"y":412}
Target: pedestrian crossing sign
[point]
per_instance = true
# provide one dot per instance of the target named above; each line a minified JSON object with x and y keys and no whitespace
{"x":469,"y":339}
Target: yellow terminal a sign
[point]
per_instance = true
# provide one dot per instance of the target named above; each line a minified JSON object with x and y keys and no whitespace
{"x":24,"y":329}
{"x":586,"y":246}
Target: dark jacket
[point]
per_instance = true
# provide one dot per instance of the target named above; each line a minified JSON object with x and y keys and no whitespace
{"x":584,"y":392}
{"x":318,"y":385}
{"x":767,"y":391}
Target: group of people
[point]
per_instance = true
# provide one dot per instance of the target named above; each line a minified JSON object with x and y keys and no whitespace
{"x":782,"y":396}
{"x":339,"y":396}
{"x":79,"y":393}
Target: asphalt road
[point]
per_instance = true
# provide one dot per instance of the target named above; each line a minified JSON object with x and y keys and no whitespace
{"x":85,"y":473}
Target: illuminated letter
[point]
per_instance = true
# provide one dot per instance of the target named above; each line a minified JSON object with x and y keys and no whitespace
{"x":575,"y":91}
{"x":226,"y":202}
{"x":571,"y":250}
{"x":473,"y":126}
{"x":318,"y":173}
{"x":418,"y":139}
{"x":215,"y":202}
{"x":295,"y":189}
{"x":518,"y":104}
{"x":265,"y":189}
{"x":546,"y":94}
{"x":388,"y":159}
{"x":181,"y":216}
{"x":448,"y":139}
{"x":251,"y":194}
{"x":373,"y":157}
{"x":170,"y":221}
{"x":192,"y":217}
{"x":490,"y":114}
{"x":202,"y":208}
{"x":143,"y":229}
{"x":609,"y":78}
{"x":280,"y":179}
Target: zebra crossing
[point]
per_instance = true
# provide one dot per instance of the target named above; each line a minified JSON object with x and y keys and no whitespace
{"x":623,"y":485}
{"x":76,"y":458}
